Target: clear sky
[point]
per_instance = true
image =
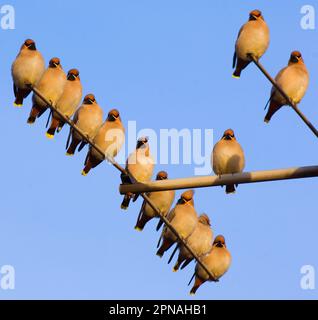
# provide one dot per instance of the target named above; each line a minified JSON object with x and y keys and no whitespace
{"x":164,"y":64}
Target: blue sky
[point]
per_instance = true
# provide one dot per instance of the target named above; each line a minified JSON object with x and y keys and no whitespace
{"x":166,"y":65}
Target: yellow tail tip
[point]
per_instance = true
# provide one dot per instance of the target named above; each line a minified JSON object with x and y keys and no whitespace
{"x":84,"y":174}
{"x":266,"y":121}
{"x":174,"y":270}
{"x":49,"y":136}
{"x":123,"y":207}
{"x":192,"y":294}
{"x":17,"y":105}
{"x":69,"y":154}
{"x":138,"y":229}
{"x":235,"y":77}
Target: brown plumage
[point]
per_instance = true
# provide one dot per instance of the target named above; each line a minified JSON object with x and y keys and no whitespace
{"x":183,"y":218}
{"x":253,"y":39}
{"x":140,"y":164}
{"x":68,"y":102}
{"x":293,"y":80}
{"x":162,"y":200}
{"x":89,"y":118}
{"x":200,"y":241}
{"x":109,"y":138}
{"x":218,"y":261}
{"x":51,"y":85}
{"x":27,"y":69}
{"x":228,"y":157}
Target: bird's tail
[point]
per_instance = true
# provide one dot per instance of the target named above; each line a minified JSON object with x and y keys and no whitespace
{"x":178,"y":263}
{"x":35,"y":111}
{"x":72,"y":148}
{"x":126,"y":201}
{"x":54,"y":125}
{"x":240,"y":65}
{"x":91,"y":162}
{"x":273,"y":108}
{"x":165,"y":246}
{"x":141,"y":223}
{"x":88,"y":165}
{"x":176,"y":266}
{"x":20,"y":95}
{"x":197,"y":284}
{"x":230,"y":189}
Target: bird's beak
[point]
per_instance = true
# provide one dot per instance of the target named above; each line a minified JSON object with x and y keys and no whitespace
{"x":295,"y":59}
{"x":72,"y":77}
{"x":32,"y":46}
{"x":227,"y":137}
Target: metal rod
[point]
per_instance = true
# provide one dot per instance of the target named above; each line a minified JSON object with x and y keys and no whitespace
{"x":124,"y":171}
{"x":282,"y":92}
{"x":226,"y":179}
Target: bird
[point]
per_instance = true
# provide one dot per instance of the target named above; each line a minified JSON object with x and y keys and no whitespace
{"x":253,"y":38}
{"x":51,"y":86}
{"x":140,"y":164}
{"x":293,"y":80}
{"x":200,"y":241}
{"x":27,"y":69}
{"x":161,"y":199}
{"x":228,"y":157}
{"x":88,"y":118}
{"x":183,"y":217}
{"x":67,"y":103}
{"x":218,"y":262}
{"x":109,"y":138}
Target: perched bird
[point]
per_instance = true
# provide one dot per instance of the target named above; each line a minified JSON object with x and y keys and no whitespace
{"x":51,"y":85}
{"x":218,"y":262}
{"x":140,"y":164}
{"x":162,"y":199}
{"x":200,"y":241}
{"x":109,"y":138}
{"x":253,"y":38}
{"x":89,"y":118}
{"x":228,"y":157}
{"x":68,"y":102}
{"x":27,"y":69}
{"x":183,"y":218}
{"x":293,"y":80}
